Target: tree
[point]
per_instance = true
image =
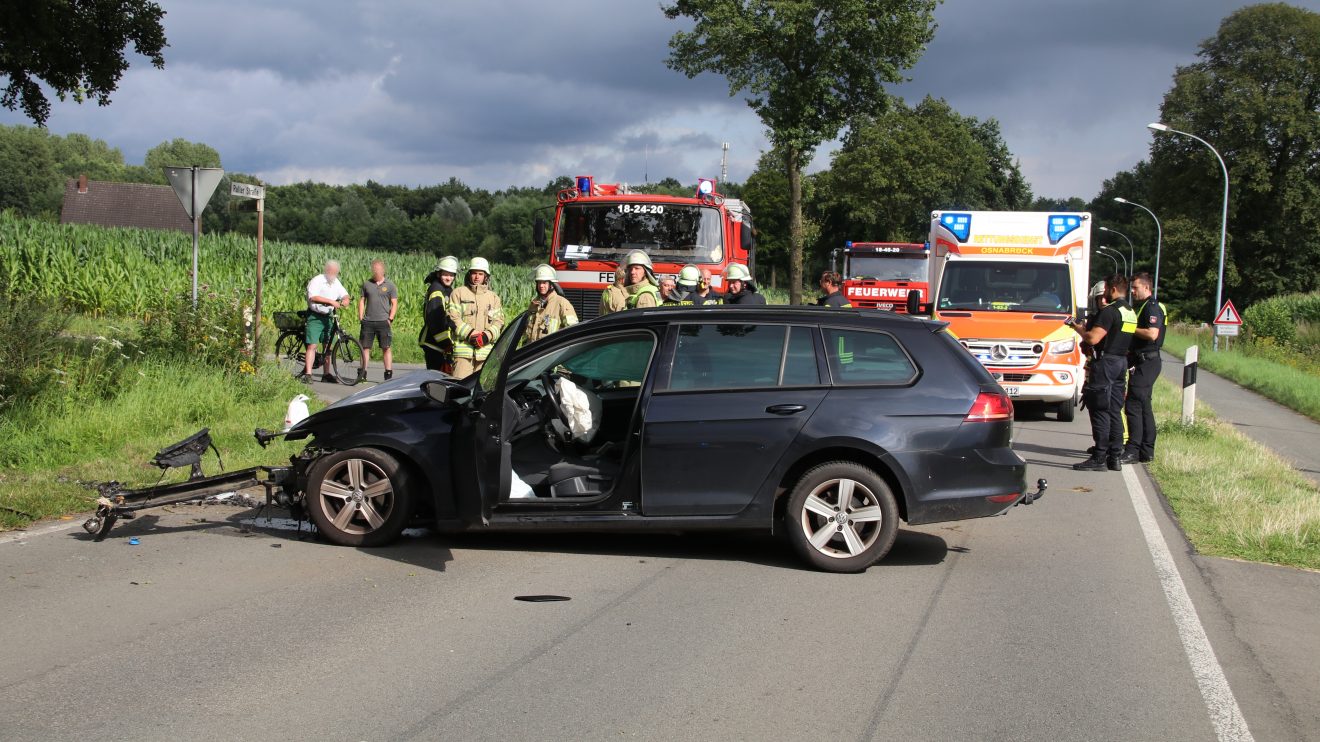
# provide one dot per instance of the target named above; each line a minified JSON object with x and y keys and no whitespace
{"x":894,"y":168}
{"x":179,"y":153}
{"x":75,"y":48}
{"x":1253,"y":93}
{"x":808,"y":65}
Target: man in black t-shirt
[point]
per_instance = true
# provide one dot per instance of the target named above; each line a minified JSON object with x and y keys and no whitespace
{"x":830,"y":283}
{"x":1144,"y":359}
{"x":1109,"y":335}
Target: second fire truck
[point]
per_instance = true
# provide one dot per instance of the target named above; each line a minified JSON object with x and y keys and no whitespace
{"x":880,"y":275}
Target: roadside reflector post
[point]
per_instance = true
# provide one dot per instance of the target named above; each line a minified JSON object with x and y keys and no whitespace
{"x":1189,"y":385}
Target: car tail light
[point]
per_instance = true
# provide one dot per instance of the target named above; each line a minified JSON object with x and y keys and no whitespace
{"x":989,"y":407}
{"x":1001,"y":499}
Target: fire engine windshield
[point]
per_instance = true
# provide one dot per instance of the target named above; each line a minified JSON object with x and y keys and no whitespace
{"x":887,"y":268}
{"x":1006,"y":287}
{"x":669,"y":233}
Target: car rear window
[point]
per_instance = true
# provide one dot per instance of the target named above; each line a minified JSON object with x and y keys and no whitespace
{"x":862,"y":357}
{"x":728,"y":356}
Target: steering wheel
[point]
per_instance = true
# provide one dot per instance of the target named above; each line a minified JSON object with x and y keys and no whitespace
{"x":555,"y":409}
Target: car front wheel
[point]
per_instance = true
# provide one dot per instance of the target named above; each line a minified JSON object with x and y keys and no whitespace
{"x":359,"y":497}
{"x":841,"y":517}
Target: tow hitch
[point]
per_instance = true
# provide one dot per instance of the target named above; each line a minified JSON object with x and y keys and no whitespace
{"x":115,"y":502}
{"x":1030,"y":497}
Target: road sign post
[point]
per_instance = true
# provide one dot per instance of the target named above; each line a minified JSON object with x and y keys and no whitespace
{"x":246,"y":190}
{"x":194,"y":186}
{"x":1189,"y":384}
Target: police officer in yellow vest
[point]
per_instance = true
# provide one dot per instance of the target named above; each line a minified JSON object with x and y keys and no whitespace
{"x":1144,"y":358}
{"x":615,"y":297}
{"x":641,"y":285}
{"x":478,"y":317}
{"x":549,"y":311}
{"x":437,"y":333}
{"x":1109,"y":334}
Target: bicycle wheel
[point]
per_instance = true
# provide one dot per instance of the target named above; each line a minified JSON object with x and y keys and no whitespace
{"x":346,"y":359}
{"x":291,"y":352}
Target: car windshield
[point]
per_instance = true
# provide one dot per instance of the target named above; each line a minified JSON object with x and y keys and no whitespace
{"x":490,"y":372}
{"x":887,"y":268}
{"x":670,"y":233}
{"x":1006,"y":287}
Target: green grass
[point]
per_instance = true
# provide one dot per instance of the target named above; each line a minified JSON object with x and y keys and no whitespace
{"x":1285,"y":376}
{"x":51,"y":449}
{"x":1234,"y":497}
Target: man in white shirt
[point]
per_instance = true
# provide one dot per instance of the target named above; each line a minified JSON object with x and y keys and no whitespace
{"x":324,"y":294}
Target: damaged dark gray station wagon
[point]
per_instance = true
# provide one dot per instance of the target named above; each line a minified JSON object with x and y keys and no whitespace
{"x":832,"y":424}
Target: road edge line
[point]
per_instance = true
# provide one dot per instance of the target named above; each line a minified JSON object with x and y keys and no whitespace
{"x":1225,"y":714}
{"x":17,"y":536}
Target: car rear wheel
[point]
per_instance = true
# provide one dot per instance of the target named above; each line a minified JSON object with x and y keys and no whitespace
{"x":359,"y":497}
{"x":841,"y":517}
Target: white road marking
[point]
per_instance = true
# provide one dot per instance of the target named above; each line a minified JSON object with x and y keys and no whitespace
{"x":1230,"y":725}
{"x":20,"y":537}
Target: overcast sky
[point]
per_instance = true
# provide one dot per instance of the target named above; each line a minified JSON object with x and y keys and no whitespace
{"x":505,"y":92}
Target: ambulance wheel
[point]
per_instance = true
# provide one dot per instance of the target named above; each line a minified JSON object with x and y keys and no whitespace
{"x":1067,"y":410}
{"x":359,"y":497}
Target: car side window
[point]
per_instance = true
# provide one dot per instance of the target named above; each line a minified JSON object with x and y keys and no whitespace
{"x":862,"y":357}
{"x":727,"y":357}
{"x":800,"y":367}
{"x":621,"y":360}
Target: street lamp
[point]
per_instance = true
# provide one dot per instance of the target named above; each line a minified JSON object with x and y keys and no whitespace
{"x":1159,"y":239}
{"x":1114,"y":253}
{"x":1223,"y":221}
{"x":1132,"y":259}
{"x":1112,"y":259}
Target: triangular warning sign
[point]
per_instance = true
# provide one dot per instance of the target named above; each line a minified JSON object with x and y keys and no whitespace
{"x":1228,"y":315}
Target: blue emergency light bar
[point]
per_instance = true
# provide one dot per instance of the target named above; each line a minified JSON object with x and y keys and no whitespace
{"x":585,"y":185}
{"x":960,"y":225}
{"x":1061,"y":225}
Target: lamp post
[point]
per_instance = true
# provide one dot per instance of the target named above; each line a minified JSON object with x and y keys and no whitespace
{"x":1132,"y":253}
{"x":1159,"y":238}
{"x":1223,"y":221}
{"x":1114,"y":253}
{"x":1112,"y":259}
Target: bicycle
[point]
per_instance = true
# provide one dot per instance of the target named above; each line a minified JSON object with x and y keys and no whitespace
{"x":340,"y":356}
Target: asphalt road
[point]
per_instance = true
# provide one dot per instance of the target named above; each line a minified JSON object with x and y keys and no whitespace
{"x":1057,"y":621}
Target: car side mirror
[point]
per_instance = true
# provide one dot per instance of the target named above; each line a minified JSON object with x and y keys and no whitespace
{"x":438,"y":391}
{"x":538,"y":232}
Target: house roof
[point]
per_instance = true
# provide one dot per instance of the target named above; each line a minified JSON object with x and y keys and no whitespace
{"x":123,"y":205}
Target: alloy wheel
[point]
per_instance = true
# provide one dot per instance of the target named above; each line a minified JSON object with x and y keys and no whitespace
{"x":841,"y":518}
{"x":357,"y":496}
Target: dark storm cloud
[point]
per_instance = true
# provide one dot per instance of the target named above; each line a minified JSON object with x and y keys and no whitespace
{"x":501,"y":92}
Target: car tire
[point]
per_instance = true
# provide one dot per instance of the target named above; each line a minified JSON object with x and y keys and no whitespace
{"x":359,"y":497}
{"x":1067,"y":410}
{"x":817,"y":517}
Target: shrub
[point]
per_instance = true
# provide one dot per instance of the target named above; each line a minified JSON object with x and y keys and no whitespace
{"x":1271,"y":319}
{"x":32,"y":329}
{"x":212,"y":333}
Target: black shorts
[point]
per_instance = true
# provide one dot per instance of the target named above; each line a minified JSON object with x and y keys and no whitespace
{"x":371,"y":330}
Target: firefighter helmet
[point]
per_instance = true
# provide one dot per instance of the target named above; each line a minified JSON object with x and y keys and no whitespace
{"x":689,"y":276}
{"x":638,"y":257}
{"x":544,"y":272}
{"x":479,"y":264}
{"x":448,"y":264}
{"x":737,"y":272}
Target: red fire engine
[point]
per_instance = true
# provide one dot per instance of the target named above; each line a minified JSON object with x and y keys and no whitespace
{"x":597,"y":224}
{"x":879,"y":275}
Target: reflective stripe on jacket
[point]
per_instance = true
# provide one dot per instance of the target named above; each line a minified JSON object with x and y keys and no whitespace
{"x":475,"y":309}
{"x":549,"y":316}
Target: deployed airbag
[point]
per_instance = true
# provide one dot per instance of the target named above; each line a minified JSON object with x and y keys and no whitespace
{"x":583,"y":409}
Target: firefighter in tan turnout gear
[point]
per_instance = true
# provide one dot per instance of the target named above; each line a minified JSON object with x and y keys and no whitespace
{"x":642,"y":287}
{"x":549,"y":311}
{"x":615,"y":297}
{"x":478,"y":318}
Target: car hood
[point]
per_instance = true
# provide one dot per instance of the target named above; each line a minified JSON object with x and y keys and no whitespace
{"x":396,"y":394}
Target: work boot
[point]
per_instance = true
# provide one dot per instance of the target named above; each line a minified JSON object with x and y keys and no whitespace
{"x":1129,"y":458}
{"x":389,"y":374}
{"x":1091,"y":464}
{"x":1114,"y":463}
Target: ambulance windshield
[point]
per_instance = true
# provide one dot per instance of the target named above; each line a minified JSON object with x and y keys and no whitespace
{"x":1006,"y":287}
{"x":669,"y":233}
{"x":887,"y":267}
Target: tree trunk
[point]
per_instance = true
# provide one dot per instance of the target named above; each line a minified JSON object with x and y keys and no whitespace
{"x":792,"y":162}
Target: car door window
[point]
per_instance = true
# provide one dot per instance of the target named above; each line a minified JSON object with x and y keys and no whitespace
{"x":616,"y":361}
{"x":800,"y":367}
{"x":861,"y":357}
{"x":727,"y":356}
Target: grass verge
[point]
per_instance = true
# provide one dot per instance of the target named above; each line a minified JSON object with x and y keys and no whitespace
{"x":51,"y":450}
{"x":1285,"y":383}
{"x":1234,"y":497}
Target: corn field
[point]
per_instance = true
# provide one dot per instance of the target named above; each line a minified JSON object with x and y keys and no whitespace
{"x":105,"y":271}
